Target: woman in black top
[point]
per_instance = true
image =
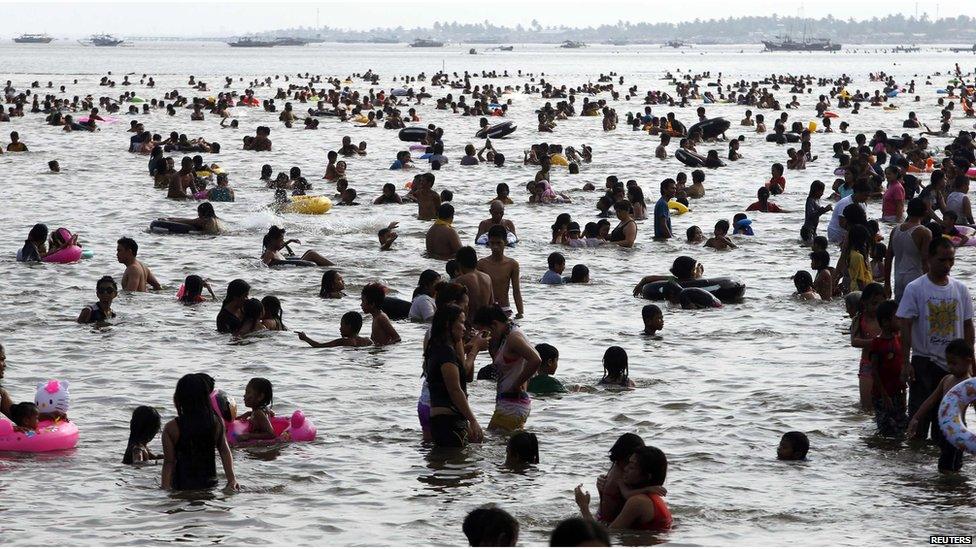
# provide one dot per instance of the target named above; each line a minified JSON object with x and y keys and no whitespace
{"x":189,"y":441}
{"x":452,"y":423}
{"x":231,"y":312}
{"x":625,"y":232}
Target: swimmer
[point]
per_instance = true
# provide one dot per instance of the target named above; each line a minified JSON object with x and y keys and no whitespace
{"x":137,"y":277}
{"x":804,"y":286}
{"x":35,"y":247}
{"x":258,"y":396}
{"x":522,"y":450}
{"x":504,"y":272}
{"x":644,"y":508}
{"x":497,"y":211}
{"x":101,"y":311}
{"x":349,"y":327}
{"x":720,"y":237}
{"x":252,"y":313}
{"x":579,"y":275}
{"x":143,"y":428}
{"x":442,"y":241}
{"x":557,"y":264}
{"x":763,"y":204}
{"x":653,"y":319}
{"x":389,"y":195}
{"x":332,"y":285}
{"x":382,"y":331}
{"x":793,"y":447}
{"x":387,"y":236}
{"x":274,"y":242}
{"x":206,"y":221}
{"x":543,"y":382}
{"x":272,"y":317}
{"x":615,"y":370}
{"x":501,"y":194}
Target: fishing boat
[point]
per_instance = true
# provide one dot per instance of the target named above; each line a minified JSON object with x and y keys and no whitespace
{"x":786,"y":43}
{"x":101,"y":40}
{"x":506,"y":48}
{"x":571,"y":44}
{"x":675,"y":44}
{"x":33,"y":39}
{"x":251,"y":43}
{"x":426,"y":43}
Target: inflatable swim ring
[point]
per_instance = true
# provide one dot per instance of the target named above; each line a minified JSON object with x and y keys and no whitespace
{"x":787,"y":137}
{"x":168,"y":227}
{"x":678,"y":207}
{"x":292,"y":262}
{"x":311,"y":205}
{"x":558,"y":160}
{"x":396,"y":308}
{"x":812,"y":126}
{"x":65,"y":255}
{"x":296,"y":428}
{"x":360,"y":119}
{"x":711,"y":127}
{"x":724,"y":288}
{"x":689,"y":159}
{"x":483,"y":240}
{"x":49,"y":437}
{"x":829,"y":114}
{"x":951,"y":410}
{"x":496,"y":131}
{"x":413,"y":133}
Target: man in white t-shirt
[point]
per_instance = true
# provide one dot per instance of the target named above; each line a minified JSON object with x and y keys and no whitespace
{"x":835,"y":232}
{"x":934,"y":310}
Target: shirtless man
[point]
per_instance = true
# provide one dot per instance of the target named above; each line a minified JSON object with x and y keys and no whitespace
{"x":478,"y":283}
{"x":427,"y":200}
{"x":503,"y":271}
{"x":442,"y":240}
{"x":497,"y":211}
{"x":137,"y":276}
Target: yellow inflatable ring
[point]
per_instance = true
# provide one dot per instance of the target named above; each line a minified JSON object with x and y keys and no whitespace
{"x":558,"y":160}
{"x":678,"y":207}
{"x":311,"y":205}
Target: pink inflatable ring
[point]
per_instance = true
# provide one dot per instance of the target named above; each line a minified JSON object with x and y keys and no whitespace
{"x":287,"y":429}
{"x":49,"y":437}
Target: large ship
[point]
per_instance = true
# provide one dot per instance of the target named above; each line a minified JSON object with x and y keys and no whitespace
{"x":251,"y":43}
{"x":785,"y":43}
{"x":426,"y":43}
{"x":33,"y":39}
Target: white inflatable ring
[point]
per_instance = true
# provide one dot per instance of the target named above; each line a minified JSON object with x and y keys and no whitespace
{"x":953,"y":405}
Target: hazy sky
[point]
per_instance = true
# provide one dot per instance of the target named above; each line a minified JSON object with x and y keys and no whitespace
{"x":183,"y":18}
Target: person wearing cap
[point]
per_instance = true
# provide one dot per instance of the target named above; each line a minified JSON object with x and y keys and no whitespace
{"x":497,"y":210}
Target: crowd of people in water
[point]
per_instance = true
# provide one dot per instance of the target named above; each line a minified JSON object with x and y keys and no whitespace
{"x":911,"y":321}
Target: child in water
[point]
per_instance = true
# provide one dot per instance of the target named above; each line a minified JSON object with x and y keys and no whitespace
{"x":959,"y":360}
{"x":557,"y":264}
{"x":143,"y":428}
{"x":258,"y":396}
{"x":864,"y":328}
{"x":100,"y":311}
{"x":191,"y":291}
{"x":720,"y":237}
{"x":887,"y":356}
{"x":742,"y":225}
{"x":793,"y":447}
{"x":653,"y":320}
{"x":615,"y":370}
{"x":25,"y":416}
{"x":543,"y":382}
{"x":349,"y":327}
{"x":878,"y":252}
{"x":804,"y":286}
{"x":522,"y":450}
{"x":382,"y":330}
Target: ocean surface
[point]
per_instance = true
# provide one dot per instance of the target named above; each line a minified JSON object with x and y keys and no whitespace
{"x":715,"y":393}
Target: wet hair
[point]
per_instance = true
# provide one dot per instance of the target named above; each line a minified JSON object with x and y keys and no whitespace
{"x":799,"y":442}
{"x":328,"y":282}
{"x":959,"y":348}
{"x":555,"y":258}
{"x":38,"y":233}
{"x":20,"y":412}
{"x":192,"y":401}
{"x":625,"y":445}
{"x":653,"y":464}
{"x":206,"y":210}
{"x":579,"y":273}
{"x":451,"y":267}
{"x":547,"y":352}
{"x":237,"y":288}
{"x":650,"y":311}
{"x":264,"y":387}
{"x":445,"y":211}
{"x":525,"y":447}
{"x":939,"y":243}
{"x":501,"y":187}
{"x":487,"y":314}
{"x":426,"y":279}
{"x":498,"y":231}
{"x":440,"y":324}
{"x":615,"y":364}
{"x":449,"y":292}
{"x":143,"y":427}
{"x":192,"y":288}
{"x":722,"y":225}
{"x":691,"y":231}
{"x":683,"y":267}
{"x":354,"y":320}
{"x":467,"y":257}
{"x":803,"y":281}
{"x":272,"y":308}
{"x":820,"y":258}
{"x":373,"y":293}
{"x":252,"y":310}
{"x":129,"y":244}
{"x":574,"y":532}
{"x":106,"y":280}
{"x":490,"y":527}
